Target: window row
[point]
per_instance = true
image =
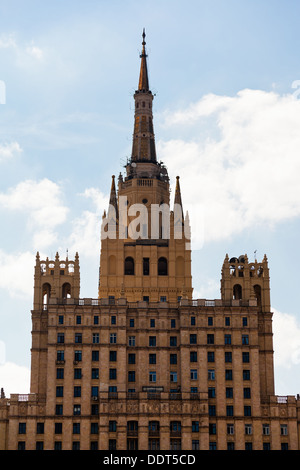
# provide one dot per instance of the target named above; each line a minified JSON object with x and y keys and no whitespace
{"x":152,"y":339}
{"x":154,"y":427}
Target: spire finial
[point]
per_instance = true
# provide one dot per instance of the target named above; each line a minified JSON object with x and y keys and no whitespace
{"x":143,"y":81}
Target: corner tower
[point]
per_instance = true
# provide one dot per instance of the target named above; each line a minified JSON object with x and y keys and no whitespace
{"x":145,"y":250}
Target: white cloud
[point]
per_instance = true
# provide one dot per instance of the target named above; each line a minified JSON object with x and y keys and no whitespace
{"x":16,"y":273}
{"x":10,"y":150}
{"x":41,"y":202}
{"x":286,"y":329}
{"x":14,"y":378}
{"x":35,"y":52}
{"x":86,"y":229}
{"x":7,"y":40}
{"x":243,"y":167}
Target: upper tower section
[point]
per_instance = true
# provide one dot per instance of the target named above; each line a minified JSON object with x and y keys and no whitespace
{"x":143,"y":156}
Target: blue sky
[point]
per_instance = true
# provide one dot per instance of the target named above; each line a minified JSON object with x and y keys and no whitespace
{"x":226,"y":116}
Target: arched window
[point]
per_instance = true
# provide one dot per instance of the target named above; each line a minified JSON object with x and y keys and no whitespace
{"x":129,"y":266}
{"x":46,"y":293}
{"x":237,"y":292}
{"x":257,"y":292}
{"x":162,"y":267}
{"x":66,"y":291}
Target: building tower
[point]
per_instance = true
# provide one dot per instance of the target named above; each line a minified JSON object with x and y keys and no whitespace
{"x":145,"y":252}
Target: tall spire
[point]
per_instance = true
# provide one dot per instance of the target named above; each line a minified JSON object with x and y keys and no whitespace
{"x":143,"y":81}
{"x":143,"y":147}
{"x":113,"y":198}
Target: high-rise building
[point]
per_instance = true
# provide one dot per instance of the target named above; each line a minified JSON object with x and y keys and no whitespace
{"x":145,"y":366}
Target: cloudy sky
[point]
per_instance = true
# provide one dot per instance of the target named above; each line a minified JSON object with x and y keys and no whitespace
{"x":226,"y":75}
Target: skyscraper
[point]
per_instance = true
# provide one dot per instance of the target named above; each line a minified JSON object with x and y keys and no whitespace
{"x":144,"y":365}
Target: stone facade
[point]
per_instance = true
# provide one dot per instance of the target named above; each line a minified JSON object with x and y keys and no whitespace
{"x":145,"y":366}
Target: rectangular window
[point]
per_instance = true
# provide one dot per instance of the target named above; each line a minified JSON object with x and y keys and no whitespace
{"x":131,"y":322}
{"x":131,"y":341}
{"x":95,"y":356}
{"x":59,"y":373}
{"x":113,"y":338}
{"x":193,"y":339}
{"x":193,"y":321}
{"x":59,"y":410}
{"x":210,"y":321}
{"x":266,"y":429}
{"x":78,"y":356}
{"x":211,"y":392}
{"x":78,"y":319}
{"x":95,"y":391}
{"x":173,"y":377}
{"x":59,"y":391}
{"x":227,"y":339}
{"x":96,"y":319}
{"x":228,"y":356}
{"x":193,"y":374}
{"x":152,"y":376}
{"x":76,"y":410}
{"x":212,"y":410}
{"x":131,"y":358}
{"x":229,"y":410}
{"x":246,"y":374}
{"x":247,"y":410}
{"x":112,"y":374}
{"x":113,"y":356}
{"x":22,"y":428}
{"x":210,"y":339}
{"x":211,"y":374}
{"x":77,"y":391}
{"x":195,"y":426}
{"x":76,"y":428}
{"x":228,"y":374}
{"x":212,"y":428}
{"x":58,"y":428}
{"x":152,"y":323}
{"x":245,"y":339}
{"x":283,"y":430}
{"x":60,"y":319}
{"x":173,"y":340}
{"x":112,"y":444}
{"x":60,"y":356}
{"x":229,"y":392}
{"x":245,"y":321}
{"x":193,"y":356}
{"x":113,"y":320}
{"x":173,"y":358}
{"x":95,"y":338}
{"x":131,"y":376}
{"x":77,"y":373}
{"x":146,"y":267}
{"x":152,"y":340}
{"x":173,"y":323}
{"x":230,"y":429}
{"x":247,"y":392}
{"x":60,"y":338}
{"x":78,"y":337}
{"x":95,"y":373}
{"x":245,"y":357}
{"x":152,"y":358}
{"x":248,"y":429}
{"x":195,"y":444}
{"x":94,"y":428}
{"x":227,"y":321}
{"x":163,"y":298}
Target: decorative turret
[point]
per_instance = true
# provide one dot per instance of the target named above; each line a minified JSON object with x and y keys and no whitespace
{"x":55,"y":279}
{"x":243,"y":281}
